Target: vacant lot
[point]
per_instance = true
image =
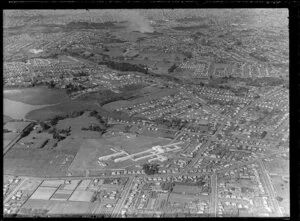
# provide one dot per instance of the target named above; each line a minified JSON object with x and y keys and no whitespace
{"x":36,"y":95}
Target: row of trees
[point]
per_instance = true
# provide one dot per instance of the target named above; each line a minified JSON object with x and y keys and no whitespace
{"x":73,"y":114}
{"x":94,"y":128}
{"x":60,"y":134}
{"x":172,"y":68}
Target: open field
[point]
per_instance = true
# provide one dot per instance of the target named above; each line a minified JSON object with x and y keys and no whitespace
{"x":181,"y":198}
{"x":61,"y":207}
{"x":70,"y":186}
{"x":81,"y":195}
{"x":186,"y":189}
{"x":36,"y":95}
{"x":76,"y":124}
{"x":147,"y":97}
{"x":52,"y":183}
{"x":16,"y":126}
{"x":8,"y":137}
{"x":92,"y":149}
{"x":18,"y":110}
{"x":38,"y":162}
{"x":61,"y":109}
{"x":278,"y":166}
{"x":6,"y":119}
{"x":89,"y":153}
{"x":134,"y":144}
{"x":30,"y":185}
{"x":43,"y":193}
{"x":282,"y":189}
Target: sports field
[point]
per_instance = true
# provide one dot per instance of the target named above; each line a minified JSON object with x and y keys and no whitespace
{"x":43,"y":193}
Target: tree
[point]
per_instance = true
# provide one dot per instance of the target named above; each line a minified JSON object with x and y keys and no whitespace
{"x":44,"y":126}
{"x":172,"y":68}
{"x":150,"y":169}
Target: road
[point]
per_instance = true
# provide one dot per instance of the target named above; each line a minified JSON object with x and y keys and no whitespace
{"x":15,"y":140}
{"x":124,"y":196}
{"x":270,"y":190}
{"x":213,"y":196}
{"x":15,"y":189}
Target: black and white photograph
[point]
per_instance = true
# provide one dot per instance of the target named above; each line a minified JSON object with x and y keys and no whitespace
{"x":129,"y":113}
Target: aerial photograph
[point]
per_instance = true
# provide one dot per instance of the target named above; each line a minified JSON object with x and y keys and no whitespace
{"x":146,"y":113}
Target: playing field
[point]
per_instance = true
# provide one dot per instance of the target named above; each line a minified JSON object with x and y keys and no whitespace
{"x":181,"y":198}
{"x":52,"y":183}
{"x":81,"y":195}
{"x":43,"y":193}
